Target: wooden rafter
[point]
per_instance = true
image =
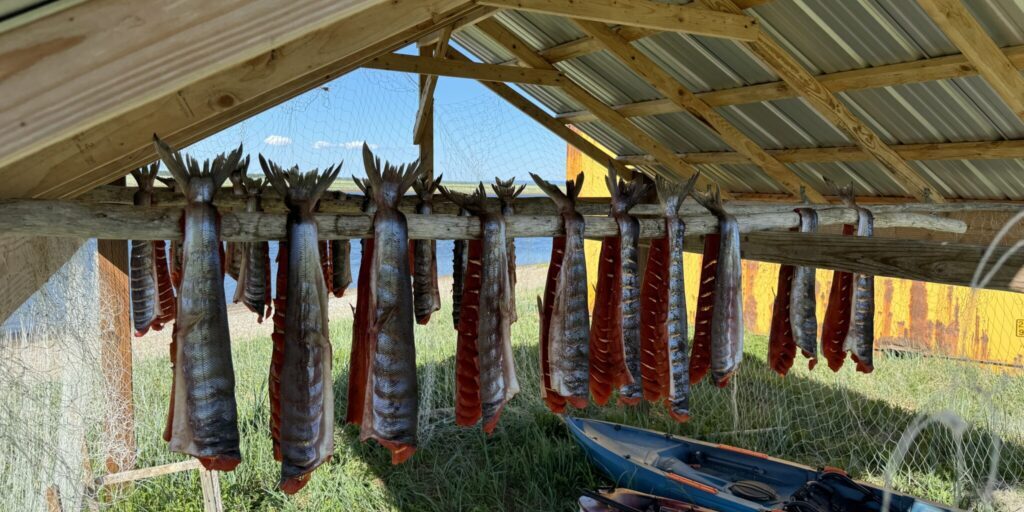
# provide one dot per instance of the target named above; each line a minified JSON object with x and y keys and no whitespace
{"x":678,"y":94}
{"x":644,"y":13}
{"x":831,"y":108}
{"x":534,"y":112}
{"x":219,"y":100}
{"x":463,"y":69}
{"x":980,"y":50}
{"x":623,"y":126}
{"x":994,"y":150}
{"x":425,"y":112}
{"x":471,"y":18}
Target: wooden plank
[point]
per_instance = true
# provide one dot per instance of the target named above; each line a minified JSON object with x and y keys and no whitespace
{"x":70,"y":218}
{"x":471,"y":18}
{"x":534,"y":112}
{"x":644,"y":13}
{"x":65,"y":73}
{"x":676,"y":92}
{"x":831,"y":108}
{"x":26,"y":263}
{"x":937,"y":262}
{"x":631,"y":132}
{"x":426,"y":142}
{"x":206,"y":105}
{"x":151,"y":472}
{"x":994,"y":150}
{"x":974,"y":42}
{"x":463,"y":69}
{"x":426,"y":105}
{"x":116,"y":353}
{"x":210,"y":483}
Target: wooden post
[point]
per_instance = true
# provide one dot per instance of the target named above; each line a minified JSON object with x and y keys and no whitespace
{"x":426,"y":141}
{"x":210,"y":482}
{"x":116,"y":352}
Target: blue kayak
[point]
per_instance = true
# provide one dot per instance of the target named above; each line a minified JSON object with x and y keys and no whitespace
{"x":722,"y":477}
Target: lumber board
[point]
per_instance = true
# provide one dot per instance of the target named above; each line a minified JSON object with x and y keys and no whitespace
{"x":462,"y":69}
{"x":150,"y":472}
{"x":644,"y":13}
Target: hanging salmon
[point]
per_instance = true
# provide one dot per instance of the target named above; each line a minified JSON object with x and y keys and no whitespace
{"x":615,"y":333}
{"x":305,"y":427}
{"x":665,"y":356}
{"x":460,"y":259}
{"x":566,"y":356}
{"x":164,"y":289}
{"x":145,"y":297}
{"x":253,"y":287}
{"x":860,"y":338}
{"x":726,"y":327}
{"x":700,"y":355}
{"x":507,"y":194}
{"x":488,"y":325}
{"x":363,"y":314}
{"x":341,"y":266}
{"x":326,"y":264}
{"x":235,"y":251}
{"x":426,"y":295}
{"x":204,"y":423}
{"x":794,"y":320}
{"x":391,"y":394}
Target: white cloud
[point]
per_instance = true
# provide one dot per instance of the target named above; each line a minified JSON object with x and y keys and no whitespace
{"x":352,"y":144}
{"x":277,"y":140}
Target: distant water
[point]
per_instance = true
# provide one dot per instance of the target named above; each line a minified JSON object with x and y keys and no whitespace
{"x":529,"y":251}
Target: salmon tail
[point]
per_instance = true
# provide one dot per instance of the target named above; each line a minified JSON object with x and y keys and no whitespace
{"x":626,"y":194}
{"x":183,"y":169}
{"x":671,"y":194}
{"x":654,"y":353}
{"x":566,"y":202}
{"x":297,"y":187}
{"x":506,"y":191}
{"x":468,"y":405}
{"x":836,"y":324}
{"x":781,"y":343}
{"x":700,"y":357}
{"x":555,"y":402}
{"x":359,"y":367}
{"x":277,"y":338}
{"x":425,"y":187}
{"x":390,"y":182}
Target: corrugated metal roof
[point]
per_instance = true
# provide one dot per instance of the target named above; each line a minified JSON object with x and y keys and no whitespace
{"x":826,"y":37}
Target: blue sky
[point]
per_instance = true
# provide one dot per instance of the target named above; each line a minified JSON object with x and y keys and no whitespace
{"x":477,"y":135}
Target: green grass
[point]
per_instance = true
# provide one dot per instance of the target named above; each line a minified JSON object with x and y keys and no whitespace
{"x":530,"y":463}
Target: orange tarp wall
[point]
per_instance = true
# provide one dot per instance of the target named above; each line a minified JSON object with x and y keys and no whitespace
{"x":952,"y":321}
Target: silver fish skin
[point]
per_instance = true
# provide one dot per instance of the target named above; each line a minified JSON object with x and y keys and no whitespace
{"x":507,"y":194}
{"x":624,"y":196}
{"x":255,"y":264}
{"x":569,"y":338}
{"x":391,"y":410}
{"x":802,"y":315}
{"x":236,"y":251}
{"x":306,"y":393}
{"x":727,"y":319}
{"x":145,"y":300}
{"x":460,"y":260}
{"x":860,"y":339}
{"x":426,"y":294}
{"x":204,"y":422}
{"x":342,"y":264}
{"x":671,"y":195}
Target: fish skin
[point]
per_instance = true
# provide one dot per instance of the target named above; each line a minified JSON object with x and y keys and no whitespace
{"x":495,"y":367}
{"x":165,"y":291}
{"x":277,"y":338}
{"x":205,"y":414}
{"x":802,"y":308}
{"x":781,"y":345}
{"x":727,"y":317}
{"x":677,"y":395}
{"x":341,"y":265}
{"x":569,"y":334}
{"x":860,"y":337}
{"x":426,"y":293}
{"x":306,"y":394}
{"x":507,"y":194}
{"x":460,"y":256}
{"x":364,"y":318}
{"x":545,"y":306}
{"x":391,"y":410}
{"x":838,"y":313}
{"x":145,"y":297}
{"x":254,"y":276}
{"x":174,"y":247}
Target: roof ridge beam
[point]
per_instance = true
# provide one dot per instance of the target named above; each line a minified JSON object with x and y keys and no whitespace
{"x":433,"y":66}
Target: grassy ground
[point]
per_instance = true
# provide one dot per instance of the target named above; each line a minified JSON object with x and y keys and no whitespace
{"x":530,"y":463}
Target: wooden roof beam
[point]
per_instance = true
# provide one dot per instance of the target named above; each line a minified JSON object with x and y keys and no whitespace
{"x":677,"y":93}
{"x":465,"y":69}
{"x":991,"y":150}
{"x":646,"y":14}
{"x":980,"y":50}
{"x":616,"y":121}
{"x":425,"y":112}
{"x":831,"y":108}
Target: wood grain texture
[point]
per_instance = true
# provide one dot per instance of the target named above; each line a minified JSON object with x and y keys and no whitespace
{"x":426,"y":103}
{"x":677,"y":93}
{"x":150,"y":472}
{"x":644,"y":13}
{"x":462,"y":69}
{"x":26,"y":263}
{"x":204,"y":106}
{"x":616,"y":121}
{"x":831,"y":108}
{"x":981,"y":51}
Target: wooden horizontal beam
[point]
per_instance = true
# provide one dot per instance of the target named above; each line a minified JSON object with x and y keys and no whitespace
{"x":143,"y":473}
{"x":462,"y":69}
{"x":937,"y":262}
{"x":644,"y":13}
{"x":115,"y":222}
{"x":992,"y":150}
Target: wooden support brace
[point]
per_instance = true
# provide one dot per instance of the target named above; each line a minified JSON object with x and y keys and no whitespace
{"x":425,"y":113}
{"x":426,"y":65}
